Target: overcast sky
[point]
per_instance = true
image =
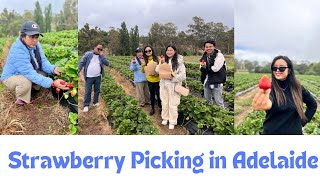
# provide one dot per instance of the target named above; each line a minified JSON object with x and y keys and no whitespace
{"x":144,"y":13}
{"x":21,"y":5}
{"x":267,"y":28}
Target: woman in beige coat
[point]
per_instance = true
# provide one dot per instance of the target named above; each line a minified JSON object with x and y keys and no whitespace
{"x":169,"y":98}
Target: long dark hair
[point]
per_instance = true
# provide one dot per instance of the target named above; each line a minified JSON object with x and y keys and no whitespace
{"x":174,"y":60}
{"x":295,"y":86}
{"x":155,"y":57}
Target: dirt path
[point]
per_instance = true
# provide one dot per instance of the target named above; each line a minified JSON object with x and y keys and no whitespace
{"x":93,"y":122}
{"x":240,"y":117}
{"x":130,"y":90}
{"x":41,"y":117}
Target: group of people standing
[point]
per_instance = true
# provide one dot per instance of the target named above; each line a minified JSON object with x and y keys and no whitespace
{"x":151,"y":87}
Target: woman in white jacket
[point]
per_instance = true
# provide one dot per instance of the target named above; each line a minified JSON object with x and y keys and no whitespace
{"x":169,"y":98}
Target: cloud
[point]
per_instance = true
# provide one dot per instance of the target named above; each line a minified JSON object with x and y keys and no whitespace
{"x":268,"y":28}
{"x":144,"y":13}
{"x":16,"y":5}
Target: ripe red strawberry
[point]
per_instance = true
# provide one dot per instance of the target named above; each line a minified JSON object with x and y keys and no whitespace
{"x":202,"y":61}
{"x":69,"y":85}
{"x":265,"y":82}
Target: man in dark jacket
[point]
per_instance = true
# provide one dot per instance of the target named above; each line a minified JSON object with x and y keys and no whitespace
{"x":214,"y":74}
{"x":93,"y":62}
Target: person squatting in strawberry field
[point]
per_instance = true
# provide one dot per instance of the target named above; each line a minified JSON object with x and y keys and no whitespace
{"x":27,"y":67}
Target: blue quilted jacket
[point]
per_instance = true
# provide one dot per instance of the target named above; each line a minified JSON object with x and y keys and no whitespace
{"x":138,"y":75}
{"x":18,"y":63}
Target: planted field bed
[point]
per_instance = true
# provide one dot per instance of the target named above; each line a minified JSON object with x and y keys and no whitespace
{"x":250,"y":121}
{"x":61,"y":49}
{"x":195,"y":113}
{"x":124,"y":113}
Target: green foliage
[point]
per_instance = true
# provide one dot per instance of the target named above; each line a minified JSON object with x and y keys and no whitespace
{"x":313,"y":127}
{"x":10,"y":23}
{"x":2,"y":87}
{"x":124,"y":40}
{"x":60,"y":49}
{"x":73,"y":126}
{"x":124,"y":112}
{"x":207,"y":116}
{"x":38,"y":16}
{"x":88,"y":38}
{"x":252,"y":124}
{"x":47,"y":18}
{"x":67,"y":19}
{"x":134,"y":39}
{"x":120,"y":42}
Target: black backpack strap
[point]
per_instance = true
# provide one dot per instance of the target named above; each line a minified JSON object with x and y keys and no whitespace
{"x":38,"y":58}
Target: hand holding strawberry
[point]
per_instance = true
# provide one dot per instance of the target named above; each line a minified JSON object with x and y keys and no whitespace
{"x":261,"y":100}
{"x":59,"y":83}
{"x":142,"y":61}
{"x":162,"y":58}
{"x":265,"y":83}
{"x":69,"y":85}
{"x":203,"y":63}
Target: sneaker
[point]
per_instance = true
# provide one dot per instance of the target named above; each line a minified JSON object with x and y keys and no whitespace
{"x":171,"y":126}
{"x":20,"y":102}
{"x":96,"y":105}
{"x":164,"y":122}
{"x":86,"y":109}
{"x":151,"y":112}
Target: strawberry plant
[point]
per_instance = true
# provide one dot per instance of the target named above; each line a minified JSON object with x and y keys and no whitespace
{"x":60,"y":49}
{"x":73,"y":126}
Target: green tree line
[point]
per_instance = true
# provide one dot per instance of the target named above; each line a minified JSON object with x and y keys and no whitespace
{"x":299,"y":68}
{"x":66,"y":19}
{"x":122,"y":41}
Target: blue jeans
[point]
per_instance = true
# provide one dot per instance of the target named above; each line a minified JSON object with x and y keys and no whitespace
{"x":95,"y":81}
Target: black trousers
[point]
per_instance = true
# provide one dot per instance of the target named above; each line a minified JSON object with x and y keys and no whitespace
{"x":154,"y":90}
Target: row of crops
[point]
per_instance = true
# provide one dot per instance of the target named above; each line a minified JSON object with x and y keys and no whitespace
{"x":124,"y":112}
{"x":252,"y":123}
{"x":194,"y":108}
{"x":61,"y":49}
{"x":244,"y":81}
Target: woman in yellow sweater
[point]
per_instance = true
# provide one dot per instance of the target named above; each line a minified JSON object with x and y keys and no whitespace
{"x":152,"y":77}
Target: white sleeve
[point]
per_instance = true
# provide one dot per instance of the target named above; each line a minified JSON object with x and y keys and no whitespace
{"x":218,"y":63}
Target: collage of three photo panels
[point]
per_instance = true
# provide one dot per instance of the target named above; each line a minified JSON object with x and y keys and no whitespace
{"x":170,"y":67}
